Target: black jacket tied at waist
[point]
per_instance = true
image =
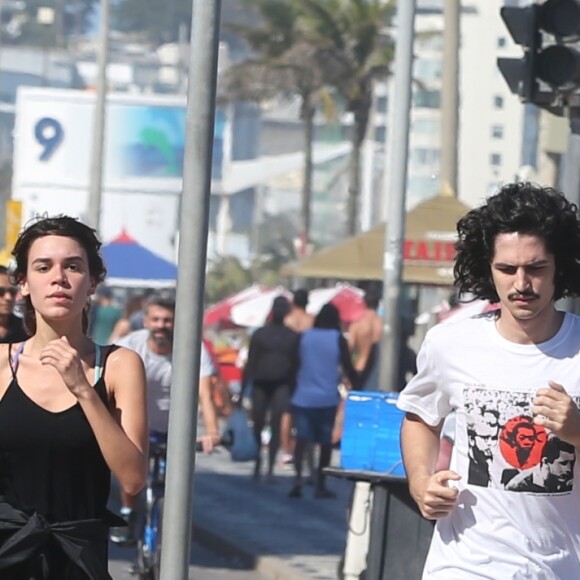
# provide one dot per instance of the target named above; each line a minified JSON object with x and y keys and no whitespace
{"x":79,"y":540}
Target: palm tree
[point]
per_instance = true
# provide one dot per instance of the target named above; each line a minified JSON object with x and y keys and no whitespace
{"x":283,"y":63}
{"x":352,"y":49}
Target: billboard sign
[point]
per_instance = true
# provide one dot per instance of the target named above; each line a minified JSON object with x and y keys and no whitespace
{"x":144,"y":141}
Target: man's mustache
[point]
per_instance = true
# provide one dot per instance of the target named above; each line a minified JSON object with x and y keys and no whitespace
{"x":520,"y":295}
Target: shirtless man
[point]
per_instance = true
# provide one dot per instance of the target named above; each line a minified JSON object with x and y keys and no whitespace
{"x":298,"y":319}
{"x":364,"y":338}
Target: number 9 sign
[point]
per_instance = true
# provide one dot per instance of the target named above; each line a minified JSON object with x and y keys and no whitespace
{"x":49,"y":134}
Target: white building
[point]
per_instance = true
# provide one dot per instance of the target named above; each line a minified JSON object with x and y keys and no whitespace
{"x":491,"y":119}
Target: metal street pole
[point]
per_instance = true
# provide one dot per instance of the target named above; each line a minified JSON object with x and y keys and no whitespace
{"x":1,"y":10}
{"x":192,"y":252}
{"x":99,"y":122}
{"x":395,"y":224}
{"x":450,"y":96}
{"x":571,"y":185}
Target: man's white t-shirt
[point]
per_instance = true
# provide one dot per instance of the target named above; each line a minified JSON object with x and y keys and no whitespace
{"x":158,"y":371}
{"x":526,"y":529}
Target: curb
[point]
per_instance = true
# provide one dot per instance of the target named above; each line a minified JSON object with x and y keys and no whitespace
{"x":269,"y":566}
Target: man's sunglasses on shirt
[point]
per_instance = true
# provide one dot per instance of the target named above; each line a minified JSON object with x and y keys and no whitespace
{"x":8,"y":289}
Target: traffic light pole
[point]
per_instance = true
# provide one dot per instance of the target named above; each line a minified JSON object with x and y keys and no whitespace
{"x":397,"y":184}
{"x":193,"y":228}
{"x":571,"y":184}
{"x":571,"y":178}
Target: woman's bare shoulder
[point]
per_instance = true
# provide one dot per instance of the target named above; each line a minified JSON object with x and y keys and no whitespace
{"x":122,"y":360}
{"x":121,"y":355}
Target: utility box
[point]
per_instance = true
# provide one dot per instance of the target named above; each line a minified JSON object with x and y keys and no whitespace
{"x":371,"y":433}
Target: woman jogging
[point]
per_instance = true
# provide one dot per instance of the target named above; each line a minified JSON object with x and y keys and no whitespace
{"x":71,"y":412}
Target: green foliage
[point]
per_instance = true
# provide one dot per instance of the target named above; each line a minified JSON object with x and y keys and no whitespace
{"x":303,"y":47}
{"x":227,"y":275}
{"x":277,"y":30}
{"x":352,"y":48}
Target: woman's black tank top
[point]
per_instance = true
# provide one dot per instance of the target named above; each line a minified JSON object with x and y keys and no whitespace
{"x":50,"y":463}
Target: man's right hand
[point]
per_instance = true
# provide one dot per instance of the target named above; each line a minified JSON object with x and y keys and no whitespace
{"x":434,"y":495}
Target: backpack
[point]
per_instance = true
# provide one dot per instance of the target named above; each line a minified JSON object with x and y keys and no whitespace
{"x":243,"y":445}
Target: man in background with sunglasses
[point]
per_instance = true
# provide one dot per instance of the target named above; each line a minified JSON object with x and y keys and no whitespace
{"x":11,"y":326}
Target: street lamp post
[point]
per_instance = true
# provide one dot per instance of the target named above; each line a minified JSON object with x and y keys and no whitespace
{"x":99,"y":121}
{"x":395,"y":224}
{"x":194,"y":223}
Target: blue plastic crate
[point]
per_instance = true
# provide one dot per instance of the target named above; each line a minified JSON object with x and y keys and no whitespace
{"x":371,"y":433}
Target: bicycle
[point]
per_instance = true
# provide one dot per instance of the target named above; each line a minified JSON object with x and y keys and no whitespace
{"x":150,"y":539}
{"x":149,"y":542}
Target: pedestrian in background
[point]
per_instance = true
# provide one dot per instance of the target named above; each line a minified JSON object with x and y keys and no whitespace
{"x":123,"y":326}
{"x":11,"y":326}
{"x":104,"y":315}
{"x":71,"y":413}
{"x":154,"y":345}
{"x":271,"y":368}
{"x":323,"y":352}
{"x":299,"y":321}
{"x":509,"y":374}
{"x":364,"y":341}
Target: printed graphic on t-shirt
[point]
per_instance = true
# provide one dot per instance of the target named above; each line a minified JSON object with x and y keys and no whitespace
{"x":506,"y":450}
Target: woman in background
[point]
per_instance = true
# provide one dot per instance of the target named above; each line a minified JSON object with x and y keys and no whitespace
{"x":323,"y":353}
{"x":271,"y":366}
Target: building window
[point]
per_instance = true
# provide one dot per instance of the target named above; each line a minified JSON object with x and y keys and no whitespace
{"x":427,"y":99}
{"x":495,"y":159}
{"x":381,"y":134}
{"x":497,"y":131}
{"x":501,"y":42}
{"x":428,"y":70}
{"x":431,"y":43}
{"x":382,"y":104}
{"x":498,"y":102}
{"x":424,"y":156}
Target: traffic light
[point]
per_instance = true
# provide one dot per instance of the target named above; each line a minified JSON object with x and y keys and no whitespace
{"x":549,"y":73}
{"x":520,"y":73}
{"x":559,"y":64}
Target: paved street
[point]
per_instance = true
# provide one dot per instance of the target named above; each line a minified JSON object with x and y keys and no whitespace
{"x":206,"y":565}
{"x":252,"y":530}
{"x":287,"y":539}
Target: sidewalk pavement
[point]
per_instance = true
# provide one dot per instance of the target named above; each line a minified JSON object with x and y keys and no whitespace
{"x":282,"y":538}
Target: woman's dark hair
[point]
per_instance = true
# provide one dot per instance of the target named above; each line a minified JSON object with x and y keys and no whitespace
{"x":328,"y":317}
{"x":524,"y":208}
{"x":66,"y":227}
{"x":280,"y":309}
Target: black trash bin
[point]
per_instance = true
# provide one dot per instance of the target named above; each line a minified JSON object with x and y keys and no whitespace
{"x":399,"y":537}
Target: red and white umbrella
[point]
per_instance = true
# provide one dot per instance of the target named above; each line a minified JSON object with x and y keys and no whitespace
{"x":347,"y":298}
{"x":220,"y":312}
{"x":254,"y":311}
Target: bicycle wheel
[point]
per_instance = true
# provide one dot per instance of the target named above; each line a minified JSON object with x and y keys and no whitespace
{"x":144,"y":570}
{"x":157,"y":554}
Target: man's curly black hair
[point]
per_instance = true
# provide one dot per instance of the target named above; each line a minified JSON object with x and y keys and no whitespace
{"x":525,"y":208}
